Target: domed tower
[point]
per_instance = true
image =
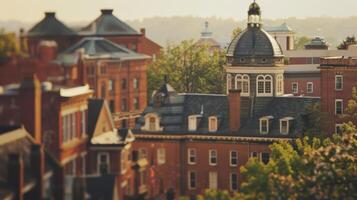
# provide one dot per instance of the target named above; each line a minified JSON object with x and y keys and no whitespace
{"x":255,"y":60}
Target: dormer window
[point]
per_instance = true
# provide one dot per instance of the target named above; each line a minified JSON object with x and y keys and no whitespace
{"x":212,"y":124}
{"x":285,"y":125}
{"x":265,"y":124}
{"x":152,"y":123}
{"x":193,"y":122}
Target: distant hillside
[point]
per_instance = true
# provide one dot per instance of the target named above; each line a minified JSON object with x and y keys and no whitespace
{"x":167,"y":30}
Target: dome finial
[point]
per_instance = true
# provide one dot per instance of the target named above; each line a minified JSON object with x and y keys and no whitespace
{"x":254,"y":15}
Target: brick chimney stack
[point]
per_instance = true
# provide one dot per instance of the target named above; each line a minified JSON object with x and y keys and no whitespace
{"x":234,"y":110}
{"x":37,"y":160}
{"x":15,"y":176}
{"x":30,"y":106}
{"x":47,"y":50}
{"x":143,"y":31}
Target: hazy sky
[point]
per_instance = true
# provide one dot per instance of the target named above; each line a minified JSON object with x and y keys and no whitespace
{"x":79,"y":10}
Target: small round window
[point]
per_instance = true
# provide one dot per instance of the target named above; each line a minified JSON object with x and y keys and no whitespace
{"x":264,"y":60}
{"x":242,"y":60}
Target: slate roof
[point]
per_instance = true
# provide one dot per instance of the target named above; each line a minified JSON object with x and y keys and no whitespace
{"x":97,"y":47}
{"x":317,"y":41}
{"x":282,"y":28}
{"x":176,"y":108}
{"x":254,"y":41}
{"x":279,"y":107}
{"x":50,"y":26}
{"x":107,"y":24}
{"x":94,"y":108}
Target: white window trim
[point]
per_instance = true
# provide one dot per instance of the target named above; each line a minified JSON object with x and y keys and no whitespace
{"x":210,"y":156}
{"x":288,"y":120}
{"x":242,"y":78}
{"x":229,"y":82}
{"x":312,"y":87}
{"x":279,"y":80}
{"x":98,"y":161}
{"x":264,"y":94}
{"x":146,"y":126}
{"x":189,"y":180}
{"x":338,"y":100}
{"x":230,"y":159}
{"x":161,"y":156}
{"x":214,"y":184}
{"x":210,"y":126}
{"x":189,"y":156}
{"x":231,"y":181}
{"x":192,"y":123}
{"x":297,"y":87}
{"x":339,"y":89}
{"x":266,"y":118}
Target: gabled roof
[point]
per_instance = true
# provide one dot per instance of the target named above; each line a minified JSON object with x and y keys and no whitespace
{"x":50,"y":26}
{"x":108,"y":24}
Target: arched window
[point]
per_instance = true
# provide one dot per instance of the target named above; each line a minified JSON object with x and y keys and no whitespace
{"x":279,"y":84}
{"x":264,"y":85}
{"x":152,"y":123}
{"x":242,"y":82}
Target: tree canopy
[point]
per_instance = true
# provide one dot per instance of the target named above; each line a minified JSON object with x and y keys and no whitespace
{"x":8,"y":43}
{"x":300,"y":42}
{"x":350,"y":40}
{"x":190,"y":68}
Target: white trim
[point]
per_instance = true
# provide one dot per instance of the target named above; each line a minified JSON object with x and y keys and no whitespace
{"x":279,"y":80}
{"x":146,"y":126}
{"x":98,"y":161}
{"x":230,"y":158}
{"x":189,"y":180}
{"x":231,"y":182}
{"x":210,"y":157}
{"x":189,"y":155}
{"x":339,"y":76}
{"x":336,"y":101}
{"x":287,"y":120}
{"x":264,"y":81}
{"x":161,"y":156}
{"x":212,"y":180}
{"x":211,"y":126}
{"x":267,"y":119}
{"x":192,"y":123}
{"x":255,"y":70}
{"x":297,"y":87}
{"x":312,"y":87}
{"x":242,"y":78}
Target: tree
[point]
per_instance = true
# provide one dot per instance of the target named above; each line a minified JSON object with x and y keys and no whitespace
{"x":350,"y":40}
{"x":305,"y":169}
{"x":8,"y":43}
{"x":236,"y":32}
{"x":191,"y":68}
{"x":350,"y":113}
{"x":300,"y":42}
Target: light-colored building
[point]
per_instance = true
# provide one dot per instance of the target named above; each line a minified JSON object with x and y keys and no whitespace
{"x":284,"y":35}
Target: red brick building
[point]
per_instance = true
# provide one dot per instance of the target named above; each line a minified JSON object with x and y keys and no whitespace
{"x":338,"y":77}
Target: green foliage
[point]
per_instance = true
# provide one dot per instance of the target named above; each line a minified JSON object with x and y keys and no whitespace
{"x":191,"y":68}
{"x":313,"y":119}
{"x":8,"y":43}
{"x":236,"y":32}
{"x":347,"y":42}
{"x":350,"y":113}
{"x":305,"y":169}
{"x":300,"y":42}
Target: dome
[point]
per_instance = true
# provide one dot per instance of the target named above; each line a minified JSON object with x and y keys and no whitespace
{"x":254,"y":45}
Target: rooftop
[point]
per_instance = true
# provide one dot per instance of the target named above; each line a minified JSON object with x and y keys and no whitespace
{"x":50,"y":26}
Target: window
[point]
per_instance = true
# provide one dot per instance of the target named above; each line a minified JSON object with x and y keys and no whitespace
{"x":123,"y":105}
{"x":212,"y":157}
{"x":103,"y":91}
{"x":229,"y":81}
{"x":136,"y":103}
{"x":339,"y":82}
{"x":161,"y":156}
{"x":265,"y":158}
{"x":134,"y":47}
{"x":191,"y":156}
{"x":192,"y":123}
{"x":310,"y":87}
{"x":212,"y":125}
{"x":103,"y":163}
{"x":254,"y":154}
{"x":68,"y":127}
{"x":338,"y":129}
{"x":112,"y":106}
{"x":264,"y":85}
{"x":212,"y":180}
{"x":103,"y":70}
{"x":152,"y":123}
{"x":135,"y":83}
{"x":280,"y":84}
{"x":295,"y":88}
{"x":338,"y":106}
{"x":242,"y":82}
{"x":143,"y":153}
{"x":234,"y":181}
{"x":123,"y":84}
{"x":111,"y":86}
{"x":192,"y":180}
{"x":83,"y":123}
{"x":233,"y":158}
{"x":264,"y":124}
{"x":284,"y":126}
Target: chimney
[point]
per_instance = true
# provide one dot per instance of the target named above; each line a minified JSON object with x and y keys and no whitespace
{"x":50,"y":14}
{"x":30,"y":106}
{"x":107,"y":11}
{"x":47,"y":50}
{"x":15,"y":176}
{"x":234,"y":110}
{"x":143,"y":31}
{"x":38,"y":169}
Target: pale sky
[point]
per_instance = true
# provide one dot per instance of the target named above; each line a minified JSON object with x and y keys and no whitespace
{"x":87,"y":10}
